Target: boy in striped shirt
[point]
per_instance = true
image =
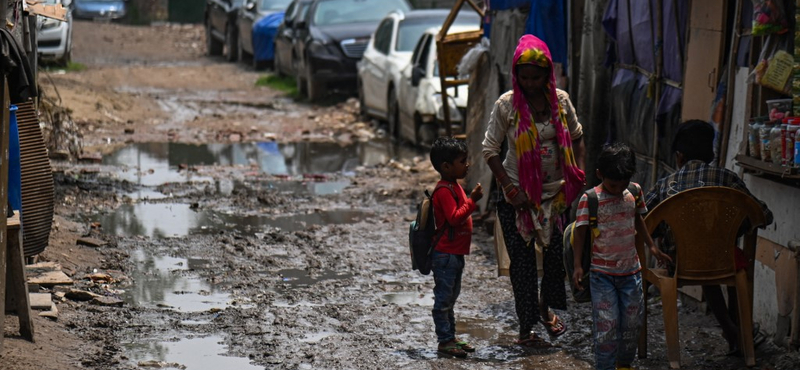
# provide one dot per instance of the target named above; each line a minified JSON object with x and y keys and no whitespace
{"x":615,"y":278}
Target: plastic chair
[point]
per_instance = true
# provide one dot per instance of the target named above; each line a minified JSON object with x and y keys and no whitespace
{"x":704,"y":222}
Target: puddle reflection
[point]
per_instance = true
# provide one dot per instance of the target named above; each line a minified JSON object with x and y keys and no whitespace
{"x":174,"y":219}
{"x":409,"y":298}
{"x":152,"y":164}
{"x":159,"y":281}
{"x":296,"y":277}
{"x":189,"y":354}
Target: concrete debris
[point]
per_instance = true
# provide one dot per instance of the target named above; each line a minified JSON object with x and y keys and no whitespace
{"x":91,"y":242}
{"x":107,"y":301}
{"x":52,"y":314}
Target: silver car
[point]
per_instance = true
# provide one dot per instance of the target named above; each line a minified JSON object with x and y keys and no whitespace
{"x":54,"y":37}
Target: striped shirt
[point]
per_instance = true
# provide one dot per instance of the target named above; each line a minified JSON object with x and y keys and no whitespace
{"x":614,"y":250}
{"x":695,"y":174}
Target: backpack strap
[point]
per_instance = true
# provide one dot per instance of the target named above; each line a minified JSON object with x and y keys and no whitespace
{"x":635,"y":192}
{"x":594,"y":203}
{"x":447,"y":226}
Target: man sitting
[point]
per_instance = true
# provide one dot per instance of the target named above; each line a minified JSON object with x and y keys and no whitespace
{"x":693,"y":146}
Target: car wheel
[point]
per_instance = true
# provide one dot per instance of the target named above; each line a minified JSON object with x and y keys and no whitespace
{"x":232,"y":44}
{"x":240,"y":55}
{"x":314,"y":89}
{"x":393,"y":115}
{"x":362,"y":105}
{"x":301,"y":83}
{"x":213,"y":46}
{"x":276,"y":65}
{"x":426,"y":134}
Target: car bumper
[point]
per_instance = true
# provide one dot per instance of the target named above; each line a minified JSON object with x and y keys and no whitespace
{"x":52,"y":42}
{"x":88,"y":14}
{"x":335,"y":72}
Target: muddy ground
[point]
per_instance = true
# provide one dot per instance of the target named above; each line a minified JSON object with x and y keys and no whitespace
{"x":223,"y":257}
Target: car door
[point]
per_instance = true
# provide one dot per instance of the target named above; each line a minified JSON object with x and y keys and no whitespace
{"x":247,"y":17}
{"x":283,"y":38}
{"x":300,"y":38}
{"x":218,"y":16}
{"x":407,"y":95}
{"x":376,"y":79}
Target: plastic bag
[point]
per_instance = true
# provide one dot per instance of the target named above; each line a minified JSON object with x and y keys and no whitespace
{"x":470,"y":58}
{"x":769,"y":17}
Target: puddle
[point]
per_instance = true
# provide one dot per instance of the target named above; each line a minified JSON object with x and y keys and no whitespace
{"x":190,"y":354}
{"x":163,"y":282}
{"x":175,"y":219}
{"x":311,"y":187}
{"x":295,"y":277}
{"x":153,"y":164}
{"x":479,"y":329}
{"x":409,"y":298}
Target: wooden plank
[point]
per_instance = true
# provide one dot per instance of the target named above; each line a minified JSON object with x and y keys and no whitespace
{"x":702,"y":73}
{"x":40,"y":301}
{"x":708,"y":14}
{"x":49,"y":278}
{"x":16,"y":288}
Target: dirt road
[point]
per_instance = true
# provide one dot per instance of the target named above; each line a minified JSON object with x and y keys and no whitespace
{"x":245,"y":230}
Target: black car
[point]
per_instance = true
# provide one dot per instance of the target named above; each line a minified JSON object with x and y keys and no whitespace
{"x":332,"y":37}
{"x":285,"y":51}
{"x":221,"y":32}
{"x":250,"y":13}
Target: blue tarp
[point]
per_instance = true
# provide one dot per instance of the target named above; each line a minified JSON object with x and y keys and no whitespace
{"x":547,"y":20}
{"x":264,"y":32}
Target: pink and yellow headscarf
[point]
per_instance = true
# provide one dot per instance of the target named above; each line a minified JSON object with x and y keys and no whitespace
{"x":532,"y":50}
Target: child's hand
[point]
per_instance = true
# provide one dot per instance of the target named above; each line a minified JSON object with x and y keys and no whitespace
{"x":477,"y":193}
{"x":577,"y":276}
{"x":660,"y":256}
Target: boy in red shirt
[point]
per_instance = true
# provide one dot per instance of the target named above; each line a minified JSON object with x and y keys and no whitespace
{"x":453,"y":214}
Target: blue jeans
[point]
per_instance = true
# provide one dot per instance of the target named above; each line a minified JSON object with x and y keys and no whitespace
{"x":447,"y":269}
{"x":617,"y":313}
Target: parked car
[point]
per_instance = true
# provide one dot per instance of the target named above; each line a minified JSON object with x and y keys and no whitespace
{"x":285,"y":51}
{"x":420,"y":109}
{"x":258,"y":21}
{"x":389,"y":52}
{"x":332,"y":37}
{"x":54,"y":37}
{"x":100,"y":9}
{"x":221,"y":32}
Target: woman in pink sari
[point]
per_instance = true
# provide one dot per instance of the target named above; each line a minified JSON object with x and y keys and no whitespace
{"x":541,"y":175}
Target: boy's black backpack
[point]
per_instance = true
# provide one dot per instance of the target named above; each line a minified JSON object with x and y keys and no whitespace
{"x":422,"y":235}
{"x":585,"y":295}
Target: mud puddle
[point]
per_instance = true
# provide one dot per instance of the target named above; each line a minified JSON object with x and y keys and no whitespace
{"x":152,"y":164}
{"x":164,"y":220}
{"x":205,"y":353}
{"x":169,"y":282}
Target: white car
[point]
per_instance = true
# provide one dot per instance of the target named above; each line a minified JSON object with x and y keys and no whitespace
{"x":420,"y":107}
{"x":54,"y":37}
{"x":389,"y":52}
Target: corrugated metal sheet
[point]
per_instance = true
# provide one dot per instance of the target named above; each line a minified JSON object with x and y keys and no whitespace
{"x":37,"y":182}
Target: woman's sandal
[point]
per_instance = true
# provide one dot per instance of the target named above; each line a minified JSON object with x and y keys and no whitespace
{"x":453,"y":350}
{"x":465,"y":346}
{"x":556,"y":327}
{"x":533,"y":341}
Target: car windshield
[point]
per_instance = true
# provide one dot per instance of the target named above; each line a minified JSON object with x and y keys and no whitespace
{"x":351,"y":11}
{"x":273,"y":4}
{"x":411,"y":29}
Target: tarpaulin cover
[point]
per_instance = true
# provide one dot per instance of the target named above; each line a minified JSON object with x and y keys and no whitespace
{"x":264,"y":32}
{"x":547,"y":20}
{"x":632,"y":26}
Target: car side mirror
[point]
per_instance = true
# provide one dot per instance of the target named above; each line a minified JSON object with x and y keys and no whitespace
{"x":416,"y":75}
{"x":66,"y":3}
{"x":250,"y":5}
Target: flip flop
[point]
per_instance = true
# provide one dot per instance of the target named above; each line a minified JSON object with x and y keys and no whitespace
{"x":453,"y":350}
{"x":534,"y":341}
{"x":465,"y":346}
{"x":556,"y":327}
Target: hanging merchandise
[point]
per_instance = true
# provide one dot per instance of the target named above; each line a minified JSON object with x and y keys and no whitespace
{"x":769,"y":17}
{"x":775,"y":72}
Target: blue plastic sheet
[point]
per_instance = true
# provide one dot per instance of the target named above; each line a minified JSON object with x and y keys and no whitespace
{"x":547,"y":20}
{"x":264,"y":32}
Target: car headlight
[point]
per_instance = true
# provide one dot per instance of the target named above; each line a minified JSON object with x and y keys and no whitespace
{"x":48,"y":24}
{"x":455,"y":115}
{"x":319,"y":49}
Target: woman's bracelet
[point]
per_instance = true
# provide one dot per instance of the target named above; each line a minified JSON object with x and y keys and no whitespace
{"x":513,"y":193}
{"x":502,"y":177}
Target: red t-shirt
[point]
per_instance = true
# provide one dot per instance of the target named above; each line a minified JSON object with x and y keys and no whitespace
{"x":457,"y":215}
